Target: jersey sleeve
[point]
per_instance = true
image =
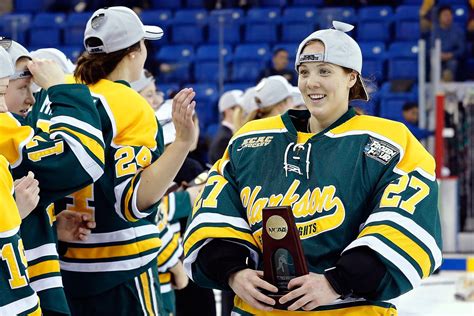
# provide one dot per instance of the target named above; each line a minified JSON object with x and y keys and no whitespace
{"x":145,"y":145}
{"x":16,"y":295}
{"x":403,"y":228}
{"x":69,"y":156}
{"x":217,"y":214}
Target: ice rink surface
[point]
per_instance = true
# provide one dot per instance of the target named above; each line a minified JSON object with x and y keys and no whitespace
{"x":435,"y":297}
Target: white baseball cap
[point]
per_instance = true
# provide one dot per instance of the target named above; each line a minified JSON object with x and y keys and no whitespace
{"x":143,"y":82}
{"x":164,"y":116}
{"x":230,"y":99}
{"x":297,"y":96}
{"x":117,"y":28}
{"x":57,"y":56}
{"x":339,"y":49}
{"x":247,"y":102}
{"x":271,"y":90}
{"x":6,"y":66}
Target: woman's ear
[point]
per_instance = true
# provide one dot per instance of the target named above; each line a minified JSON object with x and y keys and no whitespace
{"x":352,"y":79}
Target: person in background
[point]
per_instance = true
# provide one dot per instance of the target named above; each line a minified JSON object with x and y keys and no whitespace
{"x":272,"y":97}
{"x":247,"y":106}
{"x":279,"y":67}
{"x":410,"y":119}
{"x":349,"y":180}
{"x":452,"y":42}
{"x":146,"y":86}
{"x":228,"y":103}
{"x":297,"y":99}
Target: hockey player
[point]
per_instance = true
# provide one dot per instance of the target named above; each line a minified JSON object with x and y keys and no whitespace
{"x":113,"y":272}
{"x":362,"y":190}
{"x":69,"y":146}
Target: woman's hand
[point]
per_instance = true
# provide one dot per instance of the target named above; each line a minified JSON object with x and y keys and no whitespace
{"x":247,"y":284}
{"x":74,"y":226}
{"x":183,"y":108}
{"x":311,"y":291}
{"x":46,"y":73}
{"x":26,"y":194}
{"x":179,"y":280}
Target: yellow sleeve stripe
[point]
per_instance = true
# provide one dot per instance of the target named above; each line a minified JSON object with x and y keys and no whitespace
{"x":163,"y":209}
{"x":170,"y":248}
{"x":127,"y":211}
{"x":91,"y":144}
{"x":271,"y":123}
{"x":44,"y":267}
{"x":147,"y":292}
{"x":113,"y":251}
{"x":413,"y":154}
{"x":410,"y":247}
{"x":37,"y":312}
{"x":164,"y":277}
{"x":203,"y":233}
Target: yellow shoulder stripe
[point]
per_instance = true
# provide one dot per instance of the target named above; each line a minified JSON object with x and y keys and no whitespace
{"x":271,"y":123}
{"x":413,"y":154}
{"x":12,"y":137}
{"x":133,"y":117}
{"x":9,"y":215}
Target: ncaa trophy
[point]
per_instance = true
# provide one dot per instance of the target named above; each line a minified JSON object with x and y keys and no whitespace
{"x":283,"y":257}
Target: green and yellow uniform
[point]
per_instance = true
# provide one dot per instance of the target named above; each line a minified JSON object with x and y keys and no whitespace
{"x":173,"y":207}
{"x":123,"y":247}
{"x":362,"y":182}
{"x":65,"y":157}
{"x":16,"y":295}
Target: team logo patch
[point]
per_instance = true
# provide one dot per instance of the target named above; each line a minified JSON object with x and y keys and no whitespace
{"x":379,"y":150}
{"x":311,"y":57}
{"x":254,"y":142}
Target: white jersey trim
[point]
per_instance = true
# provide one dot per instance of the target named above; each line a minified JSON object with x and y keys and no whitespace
{"x":10,"y":233}
{"x":47,"y":283}
{"x":86,"y":161}
{"x":81,"y":124}
{"x":121,"y":265}
{"x":403,"y":265}
{"x":20,"y":306}
{"x":120,"y":235}
{"x":41,"y":251}
{"x":413,"y":228}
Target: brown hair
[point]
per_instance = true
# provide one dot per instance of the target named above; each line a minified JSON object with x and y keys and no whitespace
{"x":263,"y":112}
{"x":357,"y":90}
{"x":91,"y":68}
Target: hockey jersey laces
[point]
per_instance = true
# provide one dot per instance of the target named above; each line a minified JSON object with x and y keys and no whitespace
{"x":292,"y":167}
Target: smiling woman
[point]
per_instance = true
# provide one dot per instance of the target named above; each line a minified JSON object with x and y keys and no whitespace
{"x":362,"y":191}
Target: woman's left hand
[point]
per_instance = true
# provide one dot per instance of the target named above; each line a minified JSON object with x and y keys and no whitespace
{"x":311,"y":290}
{"x":74,"y":226}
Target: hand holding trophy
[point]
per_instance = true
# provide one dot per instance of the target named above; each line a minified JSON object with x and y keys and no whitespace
{"x":283,"y":257}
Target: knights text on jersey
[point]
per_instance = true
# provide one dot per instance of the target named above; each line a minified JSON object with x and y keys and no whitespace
{"x":364,"y":181}
{"x":16,"y":295}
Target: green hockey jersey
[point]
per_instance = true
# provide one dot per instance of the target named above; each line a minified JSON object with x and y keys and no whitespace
{"x":125,"y":241}
{"x":72,"y":145}
{"x":16,"y":295}
{"x":363,"y":181}
{"x":172,"y":208}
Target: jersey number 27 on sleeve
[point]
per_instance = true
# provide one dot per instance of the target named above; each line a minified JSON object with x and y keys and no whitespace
{"x":392,"y":195}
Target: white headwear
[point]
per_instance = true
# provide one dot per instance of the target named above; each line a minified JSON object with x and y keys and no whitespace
{"x":271,"y":90}
{"x":339,"y":49}
{"x":6,"y":66}
{"x":58,"y":56}
{"x":230,"y":99}
{"x":117,"y":28}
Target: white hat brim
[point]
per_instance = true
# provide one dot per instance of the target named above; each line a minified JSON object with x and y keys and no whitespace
{"x":153,"y":32}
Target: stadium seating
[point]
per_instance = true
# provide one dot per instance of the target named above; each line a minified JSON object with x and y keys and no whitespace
{"x":407,"y":23}
{"x":225,"y":24}
{"x":180,"y":58}
{"x":248,"y":61}
{"x":403,"y":60}
{"x":207,"y":67}
{"x":75,"y":25}
{"x":46,"y":29}
{"x":373,"y":54}
{"x":15,"y":26}
{"x":163,"y":19}
{"x":344,"y":14}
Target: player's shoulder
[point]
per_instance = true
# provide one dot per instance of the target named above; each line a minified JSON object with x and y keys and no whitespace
{"x":261,"y":127}
{"x":9,"y":216}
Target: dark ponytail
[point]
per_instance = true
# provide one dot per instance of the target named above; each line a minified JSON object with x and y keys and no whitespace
{"x":91,"y":68}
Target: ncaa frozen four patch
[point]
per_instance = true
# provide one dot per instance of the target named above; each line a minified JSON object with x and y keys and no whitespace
{"x":380,"y":150}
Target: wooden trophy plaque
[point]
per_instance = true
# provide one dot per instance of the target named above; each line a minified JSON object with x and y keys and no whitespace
{"x":283,"y":256}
